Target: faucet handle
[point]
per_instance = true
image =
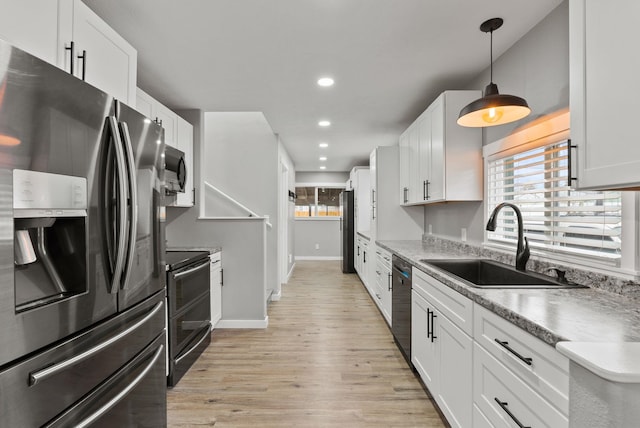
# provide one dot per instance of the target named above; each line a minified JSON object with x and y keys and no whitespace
{"x":559,"y":273}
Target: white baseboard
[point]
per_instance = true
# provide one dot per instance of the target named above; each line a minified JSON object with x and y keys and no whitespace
{"x":318,"y":258}
{"x":243,"y":323}
{"x":290,"y":272}
{"x":276,"y":296}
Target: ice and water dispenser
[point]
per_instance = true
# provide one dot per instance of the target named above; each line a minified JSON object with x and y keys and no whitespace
{"x":49,"y":219}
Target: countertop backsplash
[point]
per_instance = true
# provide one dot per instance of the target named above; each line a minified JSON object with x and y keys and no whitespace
{"x":596,"y":280}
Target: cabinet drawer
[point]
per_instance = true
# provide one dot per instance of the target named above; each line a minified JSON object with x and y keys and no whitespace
{"x":503,"y":398}
{"x":384,"y":258}
{"x":548,"y":373}
{"x":452,"y":304}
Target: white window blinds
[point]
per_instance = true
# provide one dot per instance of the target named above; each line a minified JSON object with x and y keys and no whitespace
{"x":556,"y":218}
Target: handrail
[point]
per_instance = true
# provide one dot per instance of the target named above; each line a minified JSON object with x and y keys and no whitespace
{"x":249,"y":211}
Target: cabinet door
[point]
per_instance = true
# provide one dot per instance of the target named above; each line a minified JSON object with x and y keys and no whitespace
{"x":216,"y":288}
{"x":373,"y":193}
{"x":386,"y":284}
{"x":403,"y":167}
{"x":110,"y":63}
{"x":424,"y":151}
{"x":185,"y":143}
{"x":145,"y":103}
{"x":604,"y":69}
{"x":455,"y":361}
{"x":169,"y":121}
{"x":415,"y":189}
{"x":423,"y":350}
{"x":436,"y":161}
{"x":31,"y":25}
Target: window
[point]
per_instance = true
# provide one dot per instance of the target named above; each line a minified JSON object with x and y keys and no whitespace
{"x":556,"y":219}
{"x":312,"y":201}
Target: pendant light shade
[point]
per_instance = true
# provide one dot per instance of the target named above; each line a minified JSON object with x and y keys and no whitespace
{"x":493,"y":108}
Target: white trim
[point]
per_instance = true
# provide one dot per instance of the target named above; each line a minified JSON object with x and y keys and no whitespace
{"x":291,"y":271}
{"x":243,"y":323}
{"x":318,"y":258}
{"x":319,"y":218}
{"x":337,"y":185}
{"x":235,"y":218}
{"x":276,"y":296}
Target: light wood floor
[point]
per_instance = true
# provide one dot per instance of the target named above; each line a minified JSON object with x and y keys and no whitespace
{"x":327,"y":359}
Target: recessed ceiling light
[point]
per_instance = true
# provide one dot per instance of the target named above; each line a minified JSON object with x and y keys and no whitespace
{"x":323,"y":158}
{"x":325,"y":81}
{"x":324,"y":123}
{"x":323,"y":167}
{"x":323,"y":145}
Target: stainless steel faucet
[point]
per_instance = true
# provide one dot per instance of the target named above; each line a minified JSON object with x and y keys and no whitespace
{"x":522,"y":252}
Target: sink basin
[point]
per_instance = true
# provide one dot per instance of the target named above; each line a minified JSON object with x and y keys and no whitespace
{"x":483,"y":273}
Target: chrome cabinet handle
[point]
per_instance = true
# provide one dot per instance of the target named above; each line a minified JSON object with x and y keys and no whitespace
{"x":122,"y":213}
{"x":204,"y":336}
{"x":40,"y":375}
{"x":133,"y":192}
{"x":190,"y":271}
{"x":506,"y":346}
{"x":115,"y":400}
{"x":503,"y":405}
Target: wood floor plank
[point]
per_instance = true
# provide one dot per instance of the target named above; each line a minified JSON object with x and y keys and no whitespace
{"x":327,"y":359}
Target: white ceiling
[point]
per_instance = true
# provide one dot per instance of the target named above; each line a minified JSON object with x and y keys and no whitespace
{"x":389,"y":59}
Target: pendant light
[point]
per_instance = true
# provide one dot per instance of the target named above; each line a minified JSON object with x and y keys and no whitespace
{"x":493,"y":108}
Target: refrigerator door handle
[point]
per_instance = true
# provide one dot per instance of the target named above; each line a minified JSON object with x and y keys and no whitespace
{"x":122,"y":394}
{"x":133,"y":211}
{"x":40,"y":375}
{"x":122,"y":211}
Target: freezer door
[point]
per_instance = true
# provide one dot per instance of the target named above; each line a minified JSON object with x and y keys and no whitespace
{"x":41,"y":387}
{"x":143,"y":141}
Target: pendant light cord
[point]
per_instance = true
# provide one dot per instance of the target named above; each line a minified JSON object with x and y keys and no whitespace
{"x":491,"y":55}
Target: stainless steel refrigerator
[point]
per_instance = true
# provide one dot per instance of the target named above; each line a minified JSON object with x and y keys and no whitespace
{"x":81,"y":253}
{"x":347,"y":231}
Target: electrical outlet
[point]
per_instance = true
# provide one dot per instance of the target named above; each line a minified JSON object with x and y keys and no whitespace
{"x":463,"y":234}
{"x":430,"y":229}
{"x":317,"y":246}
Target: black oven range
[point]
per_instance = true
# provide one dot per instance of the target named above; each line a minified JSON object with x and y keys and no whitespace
{"x":189,"y":310}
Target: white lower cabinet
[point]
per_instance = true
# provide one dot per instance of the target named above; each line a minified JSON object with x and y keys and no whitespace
{"x":506,"y":400}
{"x":216,"y":287}
{"x":482,"y":370}
{"x":516,"y":376}
{"x":383,"y":283}
{"x":441,"y":350}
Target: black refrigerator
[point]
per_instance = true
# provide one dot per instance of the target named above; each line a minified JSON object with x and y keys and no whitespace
{"x":347,"y":231}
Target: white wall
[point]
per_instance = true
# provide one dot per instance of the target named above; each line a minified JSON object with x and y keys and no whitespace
{"x":322,"y":232}
{"x":241,"y":159}
{"x":325,"y":231}
{"x":537,"y":68}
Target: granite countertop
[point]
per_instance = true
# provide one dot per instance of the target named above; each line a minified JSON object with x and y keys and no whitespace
{"x":211,"y":250}
{"x":365,"y":234}
{"x":575,"y":315}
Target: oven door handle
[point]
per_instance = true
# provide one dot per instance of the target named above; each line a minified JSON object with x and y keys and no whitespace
{"x":204,"y":336}
{"x":190,"y":271}
{"x":40,"y":375}
{"x":115,"y":400}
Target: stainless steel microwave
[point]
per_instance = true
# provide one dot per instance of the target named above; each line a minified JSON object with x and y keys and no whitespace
{"x":175,"y":173}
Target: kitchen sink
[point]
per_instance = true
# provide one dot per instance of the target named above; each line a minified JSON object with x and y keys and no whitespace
{"x":483,"y":273}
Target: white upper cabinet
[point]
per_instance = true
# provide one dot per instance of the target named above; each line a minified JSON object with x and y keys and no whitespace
{"x":46,"y":28}
{"x":102,"y":57}
{"x":440,"y":160}
{"x":178,"y":133}
{"x":31,"y":25}
{"x":604,"y":84}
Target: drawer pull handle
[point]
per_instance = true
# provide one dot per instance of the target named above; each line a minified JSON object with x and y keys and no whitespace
{"x":506,"y":346}
{"x":503,"y":405}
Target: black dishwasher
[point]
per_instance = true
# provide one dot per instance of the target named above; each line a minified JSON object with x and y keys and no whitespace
{"x":401,"y":306}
